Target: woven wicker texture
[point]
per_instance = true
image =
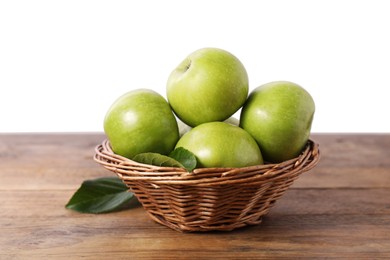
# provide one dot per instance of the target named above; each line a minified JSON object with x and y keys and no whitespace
{"x":207,"y":198}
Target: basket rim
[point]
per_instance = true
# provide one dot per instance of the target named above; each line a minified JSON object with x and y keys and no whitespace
{"x":129,"y":170}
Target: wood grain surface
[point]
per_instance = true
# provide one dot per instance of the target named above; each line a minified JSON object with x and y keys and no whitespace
{"x":340,"y":209}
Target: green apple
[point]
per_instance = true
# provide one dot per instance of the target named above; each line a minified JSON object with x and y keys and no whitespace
{"x":219,"y":144}
{"x":209,"y":85}
{"x":141,"y":121}
{"x":279,"y":116}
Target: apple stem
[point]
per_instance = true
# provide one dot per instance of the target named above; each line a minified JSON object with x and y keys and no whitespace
{"x":188,"y":65}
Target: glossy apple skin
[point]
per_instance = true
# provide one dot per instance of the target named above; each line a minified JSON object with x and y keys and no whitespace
{"x":279,"y":116}
{"x":141,"y":121}
{"x":209,"y":85}
{"x":219,"y":144}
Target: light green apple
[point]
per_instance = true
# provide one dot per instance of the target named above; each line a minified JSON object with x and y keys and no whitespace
{"x":279,"y":116}
{"x":141,"y":121}
{"x":209,"y":85}
{"x":220,"y":144}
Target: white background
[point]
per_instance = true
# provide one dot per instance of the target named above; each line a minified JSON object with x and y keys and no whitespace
{"x":63,"y":63}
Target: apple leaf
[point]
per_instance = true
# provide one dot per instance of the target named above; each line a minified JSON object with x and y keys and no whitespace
{"x":101,"y":195}
{"x":185,"y":157}
{"x":157,"y":160}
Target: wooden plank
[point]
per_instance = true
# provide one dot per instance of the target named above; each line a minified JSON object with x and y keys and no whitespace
{"x":293,"y":202}
{"x":48,"y":161}
{"x":350,"y":160}
{"x":359,"y":150}
{"x":318,"y":222}
{"x":63,"y":161}
{"x":288,"y":239}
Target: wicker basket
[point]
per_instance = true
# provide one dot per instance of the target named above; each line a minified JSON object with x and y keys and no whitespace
{"x":207,"y":198}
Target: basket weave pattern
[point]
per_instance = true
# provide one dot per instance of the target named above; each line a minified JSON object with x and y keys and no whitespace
{"x":207,"y":198}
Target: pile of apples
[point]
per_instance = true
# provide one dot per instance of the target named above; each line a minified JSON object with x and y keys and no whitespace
{"x":203,"y":92}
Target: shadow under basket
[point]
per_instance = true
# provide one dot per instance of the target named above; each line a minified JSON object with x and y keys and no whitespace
{"x":207,"y":199}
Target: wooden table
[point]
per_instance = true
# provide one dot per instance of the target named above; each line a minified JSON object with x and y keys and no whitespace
{"x":339,"y":209}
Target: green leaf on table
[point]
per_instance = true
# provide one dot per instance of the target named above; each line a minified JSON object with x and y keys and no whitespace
{"x":157,"y":160}
{"x":101,"y":195}
{"x":185,"y":157}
